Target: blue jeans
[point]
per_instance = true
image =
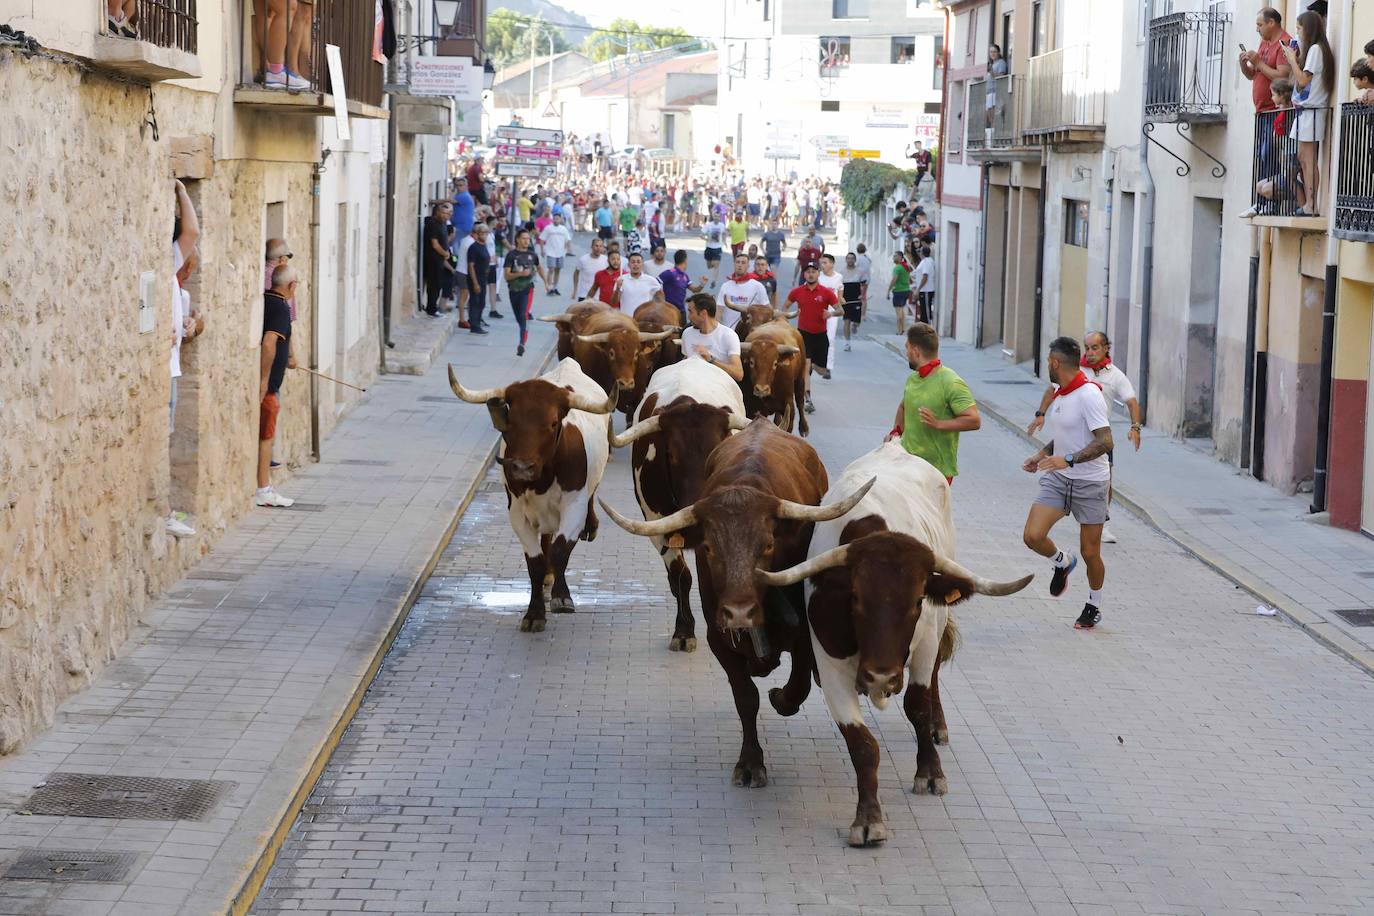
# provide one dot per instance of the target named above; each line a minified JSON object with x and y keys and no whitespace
{"x":520,"y":304}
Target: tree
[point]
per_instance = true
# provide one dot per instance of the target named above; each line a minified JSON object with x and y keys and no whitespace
{"x":508,"y":37}
{"x":610,"y":41}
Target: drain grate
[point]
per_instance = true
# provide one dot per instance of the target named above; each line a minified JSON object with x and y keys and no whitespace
{"x":1209,"y":510}
{"x":1358,"y":617}
{"x":70,"y":865}
{"x":134,"y":797}
{"x":366,"y":463}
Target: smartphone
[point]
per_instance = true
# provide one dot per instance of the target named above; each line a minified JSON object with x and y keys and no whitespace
{"x":1242,"y":48}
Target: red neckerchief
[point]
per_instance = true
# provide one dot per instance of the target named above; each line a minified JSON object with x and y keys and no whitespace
{"x":740,"y":278}
{"x":1078,"y":381}
{"x":1106,"y":361}
{"x":928,"y":368}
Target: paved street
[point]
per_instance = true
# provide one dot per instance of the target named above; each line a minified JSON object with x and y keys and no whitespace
{"x":1186,"y":757}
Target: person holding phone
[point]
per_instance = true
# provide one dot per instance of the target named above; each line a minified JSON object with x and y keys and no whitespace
{"x":1267,"y":63}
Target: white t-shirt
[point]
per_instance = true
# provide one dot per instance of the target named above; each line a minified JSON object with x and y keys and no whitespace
{"x":722,"y":343}
{"x":740,"y":293}
{"x":754,"y":195}
{"x":1070,"y":422}
{"x":463,"y":246}
{"x":556,"y":239}
{"x":1115,"y":385}
{"x":924,"y":269}
{"x":714,"y":232}
{"x":635,"y":291}
{"x":865,"y":265}
{"x":588,"y":267}
{"x":1317,"y":96}
{"x":833,"y":282}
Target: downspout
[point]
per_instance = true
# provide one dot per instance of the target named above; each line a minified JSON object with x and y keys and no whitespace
{"x":944,"y":94}
{"x":315,"y":171}
{"x":1147,"y":246}
{"x":1331,"y":282}
{"x":1109,"y":173}
{"x":982,"y":292}
{"x":388,"y":246}
{"x":1038,"y":319}
{"x":1261,"y":408}
{"x":1251,"y":316}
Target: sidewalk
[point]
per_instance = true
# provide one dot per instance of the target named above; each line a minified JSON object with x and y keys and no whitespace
{"x":1265,"y":542}
{"x":248,"y":669}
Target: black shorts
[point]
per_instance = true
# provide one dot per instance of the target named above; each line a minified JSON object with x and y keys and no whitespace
{"x":817,"y":347}
{"x":853,"y":306}
{"x":604,"y":232}
{"x":712,"y":255}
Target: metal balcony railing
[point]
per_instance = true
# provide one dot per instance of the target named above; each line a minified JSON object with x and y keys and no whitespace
{"x":1279,"y":185}
{"x":1066,"y":92}
{"x":1355,"y":174}
{"x":1186,"y":67}
{"x":310,"y":29}
{"x":975,"y":107}
{"x":165,"y":23}
{"x":1006,"y":112}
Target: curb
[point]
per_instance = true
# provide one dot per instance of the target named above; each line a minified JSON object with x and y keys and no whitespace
{"x":1311,"y":622}
{"x":256,"y":877}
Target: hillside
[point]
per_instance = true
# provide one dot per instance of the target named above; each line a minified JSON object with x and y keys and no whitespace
{"x":550,"y":12}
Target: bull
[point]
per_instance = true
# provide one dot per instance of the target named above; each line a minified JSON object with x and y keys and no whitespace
{"x":879,"y":588}
{"x":555,"y":434}
{"x":606,"y":343}
{"x":756,"y":508}
{"x":753,"y":316}
{"x":774,"y":375}
{"x":653,"y":317}
{"x":688,"y":409}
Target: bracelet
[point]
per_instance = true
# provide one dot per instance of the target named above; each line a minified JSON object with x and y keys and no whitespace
{"x":895,"y":431}
{"x":1039,"y":413}
{"x":1135,"y":426}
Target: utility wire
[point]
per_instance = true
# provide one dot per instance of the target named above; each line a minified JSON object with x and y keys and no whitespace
{"x":527,"y":19}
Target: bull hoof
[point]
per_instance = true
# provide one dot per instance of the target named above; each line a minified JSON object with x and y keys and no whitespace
{"x":942,"y":736}
{"x":528,"y":625}
{"x":548,"y":580}
{"x":868,"y":834}
{"x":930,"y":785}
{"x":682,"y":643}
{"x":753,"y":776}
{"x":778,"y":697}
{"x":589,"y":530}
{"x":562,"y":605}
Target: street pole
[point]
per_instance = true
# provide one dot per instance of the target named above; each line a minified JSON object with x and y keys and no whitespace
{"x":530,"y":106}
{"x":629,"y":104}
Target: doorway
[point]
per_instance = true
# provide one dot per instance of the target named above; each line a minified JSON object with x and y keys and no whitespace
{"x":1204,"y":295}
{"x":1119,"y":320}
{"x":952,"y":329}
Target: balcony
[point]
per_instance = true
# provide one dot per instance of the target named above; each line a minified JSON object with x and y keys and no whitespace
{"x":301,"y":43}
{"x":164,"y":47}
{"x":997,"y":133}
{"x":1277,"y":180}
{"x":976,"y":116}
{"x":1186,"y":67}
{"x":1355,"y":174}
{"x":465,"y":35}
{"x":1068,"y":104}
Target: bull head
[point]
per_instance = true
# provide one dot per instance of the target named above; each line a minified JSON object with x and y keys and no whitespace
{"x":763,"y":356}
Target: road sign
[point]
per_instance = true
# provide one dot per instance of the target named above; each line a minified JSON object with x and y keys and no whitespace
{"x":531,"y":152}
{"x":853,"y":153}
{"x":523,"y":170}
{"x":529,"y":160}
{"x":538,"y":134}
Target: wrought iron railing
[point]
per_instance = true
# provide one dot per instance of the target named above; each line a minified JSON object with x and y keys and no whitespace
{"x":1279,"y":185}
{"x":1186,"y":66}
{"x":1066,"y":91}
{"x":166,"y":23}
{"x":349,"y":24}
{"x":1355,"y":174}
{"x":975,"y":107}
{"x":1006,"y":111}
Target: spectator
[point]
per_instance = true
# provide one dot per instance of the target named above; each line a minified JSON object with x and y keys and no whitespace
{"x":866,"y":268}
{"x":458,"y":280}
{"x":524,"y":206}
{"x":852,"y":275}
{"x":278,"y":254}
{"x":925,"y":287}
{"x":463,"y":208}
{"x":605,"y":221}
{"x":588,"y":266}
{"x":1267,"y":63}
{"x":1363,"y":76}
{"x":458,"y":275}
{"x":1277,"y":186}
{"x":899,"y":289}
{"x":554,"y":242}
{"x":436,"y":254}
{"x":1313,"y":81}
{"x":496,"y":248}
{"x":478,"y":264}
{"x":276,"y":359}
{"x":275,"y":23}
{"x":476,"y":184}
{"x":676,"y":282}
{"x":605,"y":282}
{"x":185,"y":235}
{"x":120,"y":16}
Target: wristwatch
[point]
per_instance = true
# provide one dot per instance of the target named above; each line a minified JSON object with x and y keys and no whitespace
{"x":711,"y":358}
{"x":1069,"y":458}
{"x":1039,"y":413}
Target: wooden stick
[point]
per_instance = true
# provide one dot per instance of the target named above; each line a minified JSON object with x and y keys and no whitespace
{"x":329,"y":379}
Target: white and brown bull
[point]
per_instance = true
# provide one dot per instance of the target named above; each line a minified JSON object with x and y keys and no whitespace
{"x":879,"y":586}
{"x":688,"y":409}
{"x":555,"y":433}
{"x":774,"y":382}
{"x":607,"y":344}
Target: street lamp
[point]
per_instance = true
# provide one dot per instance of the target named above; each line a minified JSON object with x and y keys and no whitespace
{"x":488,"y":74}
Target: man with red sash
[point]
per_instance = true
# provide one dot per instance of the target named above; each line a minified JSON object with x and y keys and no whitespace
{"x":1075,"y":476}
{"x":936,"y":405}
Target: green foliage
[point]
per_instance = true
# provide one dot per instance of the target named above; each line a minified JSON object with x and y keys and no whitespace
{"x":865,"y":182}
{"x":610,"y":41}
{"x":508,"y":37}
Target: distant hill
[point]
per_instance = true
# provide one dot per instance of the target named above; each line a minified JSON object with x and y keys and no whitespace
{"x":550,"y":12}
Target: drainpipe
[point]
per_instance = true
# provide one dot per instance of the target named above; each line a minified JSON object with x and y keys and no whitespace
{"x":1330,"y":283}
{"x":1261,"y":408}
{"x":1038,"y":320}
{"x":1251,"y":315}
{"x":1147,"y":245}
{"x":944,"y":94}
{"x":315,"y":171}
{"x":982,"y":293}
{"x":388,"y":246}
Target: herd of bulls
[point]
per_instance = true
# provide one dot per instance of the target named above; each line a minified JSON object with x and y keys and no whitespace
{"x":854,"y":580}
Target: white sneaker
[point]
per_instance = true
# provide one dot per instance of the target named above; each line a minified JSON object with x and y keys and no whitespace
{"x":296,"y":83}
{"x":274,"y":80}
{"x":179,"y":529}
{"x":271,"y":497}
{"x":1249,"y":213}
{"x":1107,"y":536}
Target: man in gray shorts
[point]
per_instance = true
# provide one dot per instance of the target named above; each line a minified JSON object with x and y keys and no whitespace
{"x":1076,"y":476}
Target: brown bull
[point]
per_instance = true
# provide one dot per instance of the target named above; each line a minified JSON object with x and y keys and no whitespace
{"x":754,"y":316}
{"x":569,"y":323}
{"x":774,"y":380}
{"x":606,"y":344}
{"x":756,"y":508}
{"x":653,"y":317}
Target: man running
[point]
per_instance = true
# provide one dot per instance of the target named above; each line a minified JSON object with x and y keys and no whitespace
{"x":710,"y":340}
{"x":739,"y":233}
{"x":830,"y":278}
{"x":677,"y":283}
{"x":815,"y":306}
{"x":714,"y":234}
{"x":1076,"y":477}
{"x":588,"y":266}
{"x":1097,"y":365}
{"x":853,"y":295}
{"x":936,"y":405}
{"x":741,"y":290}
{"x":634,"y":288}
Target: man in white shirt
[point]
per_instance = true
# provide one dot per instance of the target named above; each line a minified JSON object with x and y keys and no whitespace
{"x":923,"y":281}
{"x":832,"y":280}
{"x":554,"y":242}
{"x":710,"y":340}
{"x":1076,"y":477}
{"x":588,"y":266}
{"x":714,"y":234}
{"x":740,"y":290}
{"x":634,"y":288}
{"x":865,"y":265}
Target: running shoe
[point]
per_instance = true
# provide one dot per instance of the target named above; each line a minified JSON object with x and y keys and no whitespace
{"x":494,"y":314}
{"x":1107,"y":536}
{"x":810,"y":407}
{"x":1090,"y":618}
{"x":1060,"y":580}
{"x":520,"y":350}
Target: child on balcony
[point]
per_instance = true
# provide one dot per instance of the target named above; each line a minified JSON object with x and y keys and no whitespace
{"x":1282,"y":180}
{"x":1313,"y":82}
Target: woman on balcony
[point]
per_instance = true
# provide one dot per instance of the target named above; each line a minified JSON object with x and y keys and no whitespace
{"x":997,"y":66}
{"x":1314,"y":80}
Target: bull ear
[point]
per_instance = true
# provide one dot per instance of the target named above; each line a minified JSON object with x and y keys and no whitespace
{"x":500,"y":413}
{"x":948,"y":589}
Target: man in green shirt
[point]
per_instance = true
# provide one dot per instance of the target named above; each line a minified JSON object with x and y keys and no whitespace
{"x":628,"y":216}
{"x":899,"y":289}
{"x":936,"y":405}
{"x":739,"y":233}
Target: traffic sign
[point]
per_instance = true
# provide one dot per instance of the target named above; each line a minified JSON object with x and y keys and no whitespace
{"x":854,"y":153}
{"x":523,"y":170}
{"x":536,"y":134}
{"x":534,"y":152}
{"x":529,"y":160}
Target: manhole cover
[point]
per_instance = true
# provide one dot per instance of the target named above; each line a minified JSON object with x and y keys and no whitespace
{"x":366,"y":463}
{"x":1208,"y":510}
{"x":1358,"y":617}
{"x":136,"y":797}
{"x":70,"y":865}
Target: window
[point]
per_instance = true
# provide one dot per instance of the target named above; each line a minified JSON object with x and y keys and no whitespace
{"x":903,"y":50}
{"x":767,"y":11}
{"x":830,"y":106}
{"x":1008,"y":30}
{"x":1039,"y":23}
{"x":834,"y":53}
{"x":849,"y":9}
{"x":971,"y":42}
{"x":1076,"y":223}
{"x":931,"y":108}
{"x":954,"y":124}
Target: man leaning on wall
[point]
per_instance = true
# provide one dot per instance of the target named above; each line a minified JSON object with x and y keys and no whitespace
{"x":276,"y":359}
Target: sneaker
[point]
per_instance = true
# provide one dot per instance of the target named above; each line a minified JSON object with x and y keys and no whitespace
{"x":1107,"y":536}
{"x":495,"y":314}
{"x":1253,"y":211}
{"x":274,"y":80}
{"x":274,"y":464}
{"x":846,"y":348}
{"x":810,"y":407}
{"x":825,"y":374}
{"x":479,"y":330}
{"x":520,"y":350}
{"x":179,"y":529}
{"x":1090,"y":618}
{"x":296,"y":83}
{"x":273,"y":498}
{"x":1060,"y":580}
{"x":555,"y":292}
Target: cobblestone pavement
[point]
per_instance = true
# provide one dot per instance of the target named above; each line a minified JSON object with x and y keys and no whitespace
{"x":1186,"y":757}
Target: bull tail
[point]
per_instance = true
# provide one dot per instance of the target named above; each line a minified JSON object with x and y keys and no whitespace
{"x":949,"y":641}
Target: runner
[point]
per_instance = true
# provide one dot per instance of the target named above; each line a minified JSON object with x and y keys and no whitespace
{"x":554,"y":242}
{"x":815,"y":306}
{"x":866,"y":270}
{"x":1076,"y":477}
{"x":605,"y":221}
{"x":899,"y":290}
{"x":936,"y":405}
{"x":677,"y":282}
{"x":588,"y":266}
{"x":765,"y":276}
{"x":853,"y":295}
{"x":830,"y":278}
{"x":739,"y":233}
{"x":605,"y":282}
{"x":708,"y":339}
{"x":714,"y":234}
{"x":520,"y":267}
{"x":774,"y":241}
{"x":741,"y":290}
{"x":634,"y":288}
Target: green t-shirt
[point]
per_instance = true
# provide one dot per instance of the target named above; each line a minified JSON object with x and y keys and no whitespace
{"x":947,"y":396}
{"x":901,"y":279}
{"x":739,"y":231}
{"x":627,"y":218}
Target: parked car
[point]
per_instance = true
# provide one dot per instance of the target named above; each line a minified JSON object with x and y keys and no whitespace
{"x":627,"y":155}
{"x":659,"y":152}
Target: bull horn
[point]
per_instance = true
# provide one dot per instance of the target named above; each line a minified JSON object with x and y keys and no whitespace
{"x":584,"y":403}
{"x":790,"y":315}
{"x":812,"y":566}
{"x":737,"y":422}
{"x":682,"y":518}
{"x":638,"y":431}
{"x":603,"y":337}
{"x":480,"y":396}
{"x":745,"y":345}
{"x":803,"y":513}
{"x":647,"y":336}
{"x":980,"y":585}
{"x":732,"y":305}
{"x":563,"y":317}
{"x":788,"y":350}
